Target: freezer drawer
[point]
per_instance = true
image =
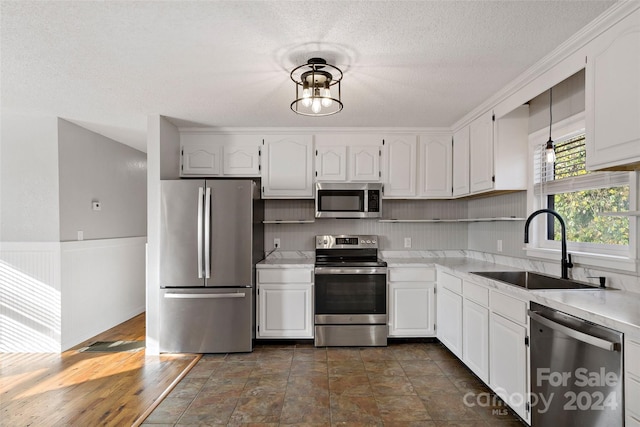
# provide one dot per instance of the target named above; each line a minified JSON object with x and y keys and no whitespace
{"x":206,"y":320}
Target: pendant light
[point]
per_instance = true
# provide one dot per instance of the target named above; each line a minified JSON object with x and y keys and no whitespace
{"x":317,"y":88}
{"x":549,"y":149}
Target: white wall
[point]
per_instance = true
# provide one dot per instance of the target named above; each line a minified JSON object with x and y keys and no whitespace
{"x":163,"y":142}
{"x":95,"y":168}
{"x":29,"y":178}
{"x":53,"y":295}
{"x":30,"y":294}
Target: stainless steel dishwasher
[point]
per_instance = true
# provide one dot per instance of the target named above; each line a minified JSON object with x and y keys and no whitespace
{"x":576,"y":371}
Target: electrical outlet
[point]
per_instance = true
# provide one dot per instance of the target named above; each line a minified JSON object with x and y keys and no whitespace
{"x":407,"y":242}
{"x":80,"y":235}
{"x":276,"y":242}
{"x":499,"y":246}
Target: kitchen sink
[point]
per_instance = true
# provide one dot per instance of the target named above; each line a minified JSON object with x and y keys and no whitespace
{"x":531,"y":280}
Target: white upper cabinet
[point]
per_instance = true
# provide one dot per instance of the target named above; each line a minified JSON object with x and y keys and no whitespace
{"x":331,"y":163}
{"x":241,"y":159}
{"x":199,"y":157}
{"x":348,"y":157}
{"x":288,"y":167}
{"x":399,"y":160}
{"x":497,"y":152}
{"x":435,"y":166}
{"x":481,"y":153}
{"x":205,"y":154}
{"x":461,"y":162}
{"x":612,"y":97}
{"x":364,"y":163}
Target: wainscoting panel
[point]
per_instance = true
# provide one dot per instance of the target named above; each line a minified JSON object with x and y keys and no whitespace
{"x":30,"y":297}
{"x":103,"y":284}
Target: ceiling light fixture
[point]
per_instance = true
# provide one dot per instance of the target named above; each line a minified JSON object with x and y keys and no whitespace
{"x":314,"y":82}
{"x":550,"y":151}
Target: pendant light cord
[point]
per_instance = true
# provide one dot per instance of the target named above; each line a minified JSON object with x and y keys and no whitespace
{"x":550,"y":111}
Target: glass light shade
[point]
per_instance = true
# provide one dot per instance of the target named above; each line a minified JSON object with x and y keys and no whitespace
{"x":550,"y":152}
{"x":326,"y":100}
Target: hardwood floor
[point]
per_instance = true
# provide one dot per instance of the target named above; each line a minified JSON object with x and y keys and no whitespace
{"x":88,"y":389}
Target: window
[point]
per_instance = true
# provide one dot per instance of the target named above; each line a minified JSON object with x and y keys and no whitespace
{"x":584,"y":199}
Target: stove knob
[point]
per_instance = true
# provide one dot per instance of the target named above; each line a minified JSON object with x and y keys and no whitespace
{"x":368,"y":241}
{"x":373,"y":241}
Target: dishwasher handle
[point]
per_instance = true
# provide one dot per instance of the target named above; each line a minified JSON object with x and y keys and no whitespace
{"x":573,"y":333}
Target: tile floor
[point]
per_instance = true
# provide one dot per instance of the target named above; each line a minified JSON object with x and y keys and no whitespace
{"x":406,"y":384}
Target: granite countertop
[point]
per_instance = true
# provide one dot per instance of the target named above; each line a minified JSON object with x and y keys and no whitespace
{"x":286,"y":263}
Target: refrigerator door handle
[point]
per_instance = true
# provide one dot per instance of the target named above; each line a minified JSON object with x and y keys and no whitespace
{"x":200,"y":200}
{"x":207,"y":234}
{"x":204,"y":296}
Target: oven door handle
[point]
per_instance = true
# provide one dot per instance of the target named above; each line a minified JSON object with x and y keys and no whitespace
{"x":350,"y":270}
{"x":573,"y":333}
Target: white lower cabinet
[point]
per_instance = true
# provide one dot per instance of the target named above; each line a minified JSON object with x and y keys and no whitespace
{"x":285,"y":303}
{"x":475,"y":338}
{"x":411,"y":298}
{"x":449,"y":303}
{"x":508,"y":353}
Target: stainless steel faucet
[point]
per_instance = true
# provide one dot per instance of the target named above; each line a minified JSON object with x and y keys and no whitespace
{"x":565,"y":262}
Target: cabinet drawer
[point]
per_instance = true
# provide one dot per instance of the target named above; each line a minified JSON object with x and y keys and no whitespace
{"x":288,"y":275}
{"x":632,"y":358}
{"x":632,"y":396}
{"x":453,"y":283}
{"x":476,"y":293}
{"x":509,"y":307}
{"x":412,"y":274}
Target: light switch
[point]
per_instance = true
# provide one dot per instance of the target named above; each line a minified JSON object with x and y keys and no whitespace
{"x":407,"y":242}
{"x":96,"y":206}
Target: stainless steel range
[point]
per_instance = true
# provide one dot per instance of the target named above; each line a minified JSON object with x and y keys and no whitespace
{"x":350,"y":292}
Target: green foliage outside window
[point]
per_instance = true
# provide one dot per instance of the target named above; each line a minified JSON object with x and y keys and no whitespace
{"x":580,"y":209}
{"x":580,"y":212}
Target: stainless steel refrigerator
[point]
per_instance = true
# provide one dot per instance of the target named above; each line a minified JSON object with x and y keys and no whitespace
{"x":210,"y":241}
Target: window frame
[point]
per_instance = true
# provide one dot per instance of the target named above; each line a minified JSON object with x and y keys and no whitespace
{"x":594,"y":254}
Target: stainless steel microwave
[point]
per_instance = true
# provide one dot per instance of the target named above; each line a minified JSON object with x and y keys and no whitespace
{"x":348,"y":200}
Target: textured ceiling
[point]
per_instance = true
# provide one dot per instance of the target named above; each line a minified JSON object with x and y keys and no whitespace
{"x":108,"y":65}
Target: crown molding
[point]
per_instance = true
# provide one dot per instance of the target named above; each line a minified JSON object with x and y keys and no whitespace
{"x":315,"y":131}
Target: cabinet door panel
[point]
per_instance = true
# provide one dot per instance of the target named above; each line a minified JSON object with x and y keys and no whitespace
{"x":285,"y":311}
{"x":461,"y":162}
{"x":508,"y":362}
{"x":200,"y":156}
{"x":411,"y":309}
{"x":481,"y":153}
{"x":436,"y":166}
{"x":364,"y":163}
{"x":288,"y":168}
{"x":475,"y":341}
{"x":400,"y":166}
{"x":241,"y":159}
{"x":613,"y":96}
{"x":331,"y":163}
{"x":449,"y":324}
